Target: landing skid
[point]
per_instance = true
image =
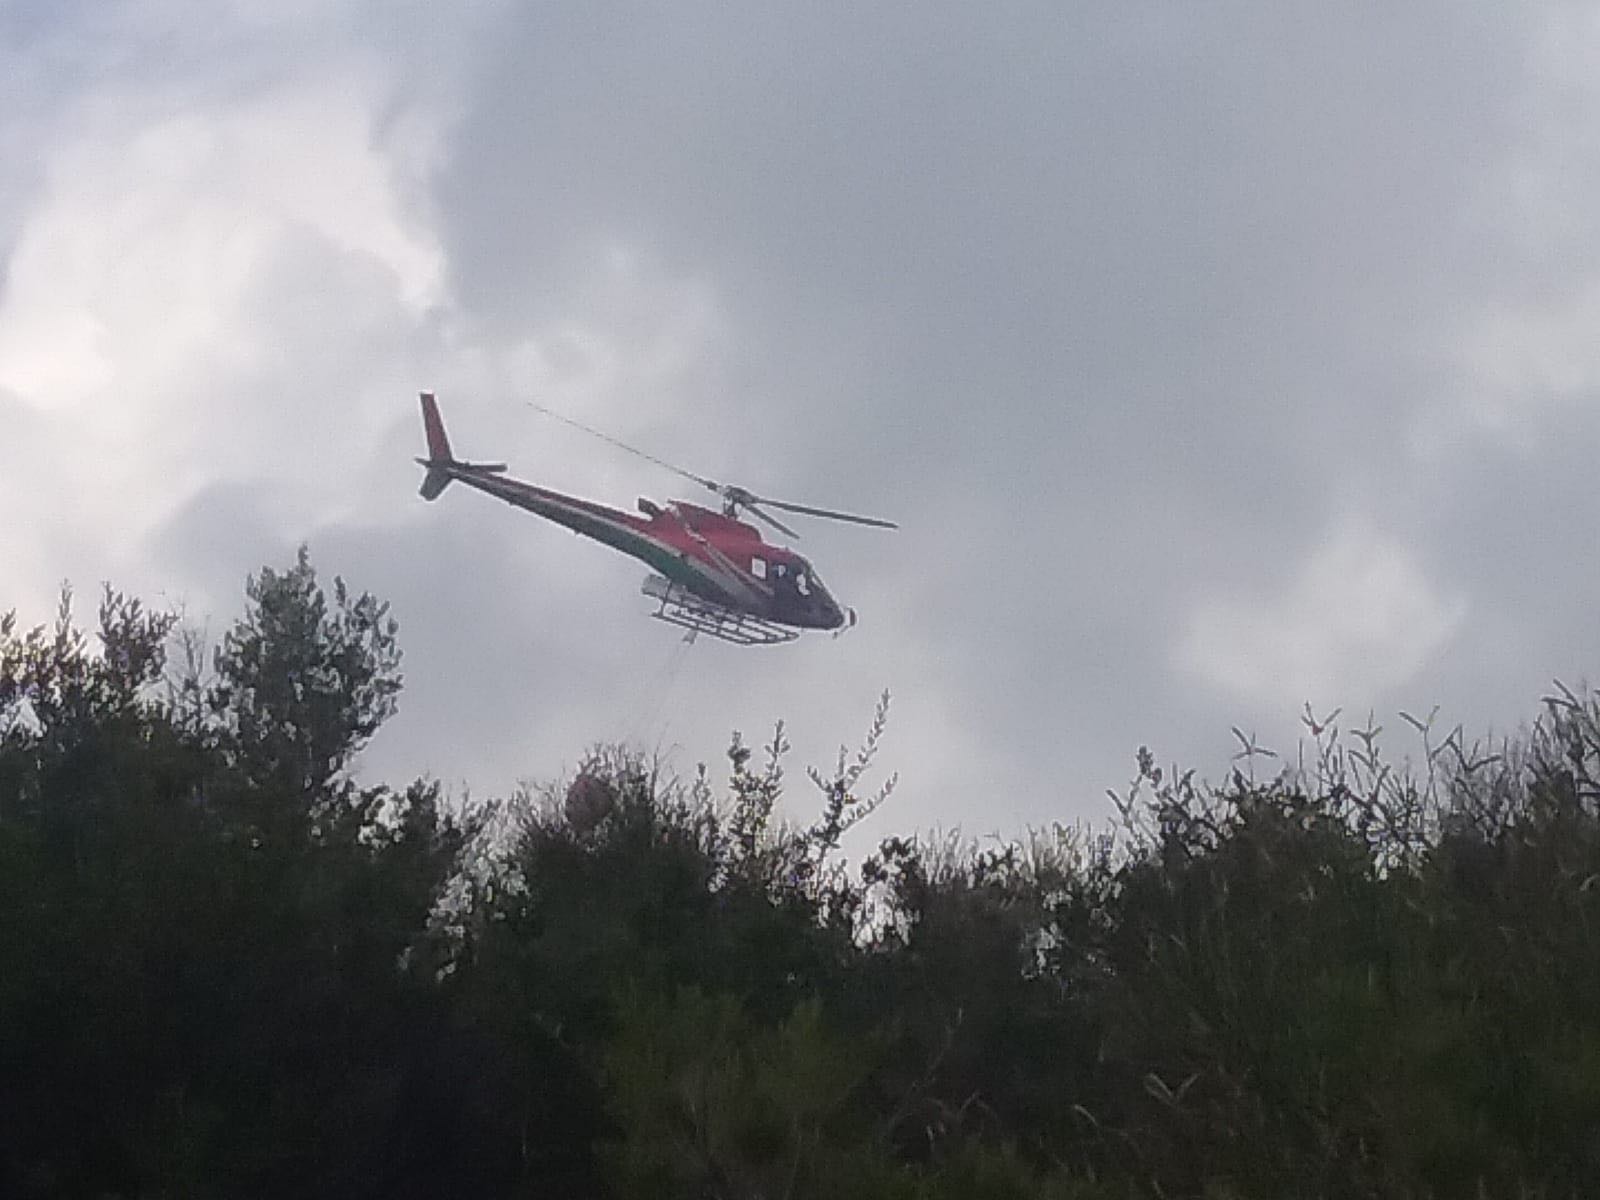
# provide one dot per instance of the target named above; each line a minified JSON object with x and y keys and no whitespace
{"x":684,"y":609}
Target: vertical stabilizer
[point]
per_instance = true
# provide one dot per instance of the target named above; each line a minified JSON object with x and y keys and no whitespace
{"x":438,"y":443}
{"x":443,"y":466}
{"x":439,"y":456}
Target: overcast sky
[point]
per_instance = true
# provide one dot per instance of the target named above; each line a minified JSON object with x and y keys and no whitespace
{"x":1214,"y":358}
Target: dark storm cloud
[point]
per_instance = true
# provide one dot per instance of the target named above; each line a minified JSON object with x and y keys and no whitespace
{"x":1208,"y":356}
{"x":1113,"y":305}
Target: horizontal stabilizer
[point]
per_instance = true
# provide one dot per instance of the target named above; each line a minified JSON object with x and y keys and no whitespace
{"x":441,"y":473}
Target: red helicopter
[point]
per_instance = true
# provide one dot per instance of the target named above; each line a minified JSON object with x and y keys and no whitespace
{"x":713,"y":574}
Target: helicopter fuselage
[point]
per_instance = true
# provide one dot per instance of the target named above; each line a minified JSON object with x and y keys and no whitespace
{"x":717,"y":558}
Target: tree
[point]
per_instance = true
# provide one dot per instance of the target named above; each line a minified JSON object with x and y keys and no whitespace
{"x":232,"y":968}
{"x":217,"y":968}
{"x":302,"y":687}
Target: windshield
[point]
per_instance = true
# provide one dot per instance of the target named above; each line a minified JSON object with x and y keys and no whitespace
{"x":806,"y":581}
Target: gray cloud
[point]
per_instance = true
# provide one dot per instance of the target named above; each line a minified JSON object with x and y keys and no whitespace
{"x":1152,"y":327}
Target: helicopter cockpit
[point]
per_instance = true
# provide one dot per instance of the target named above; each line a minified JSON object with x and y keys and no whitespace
{"x":798,"y":593}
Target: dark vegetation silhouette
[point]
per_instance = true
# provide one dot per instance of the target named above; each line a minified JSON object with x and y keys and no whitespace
{"x":228,"y":969}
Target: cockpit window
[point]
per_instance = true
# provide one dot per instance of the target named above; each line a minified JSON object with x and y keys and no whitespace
{"x":758,"y":567}
{"x":802,"y":583}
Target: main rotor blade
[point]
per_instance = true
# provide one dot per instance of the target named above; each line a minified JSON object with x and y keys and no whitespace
{"x":824,"y":512}
{"x":606,"y":437}
{"x":735,"y":497}
{"x":770,"y":520}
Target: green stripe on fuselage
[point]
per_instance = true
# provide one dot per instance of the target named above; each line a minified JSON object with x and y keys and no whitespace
{"x":611,"y":531}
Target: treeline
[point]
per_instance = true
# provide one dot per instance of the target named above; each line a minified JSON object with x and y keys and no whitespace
{"x":229,"y":970}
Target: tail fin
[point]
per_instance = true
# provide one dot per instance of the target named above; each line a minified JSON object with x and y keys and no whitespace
{"x":443,"y":466}
{"x":438,"y":443}
{"x":439,"y":456}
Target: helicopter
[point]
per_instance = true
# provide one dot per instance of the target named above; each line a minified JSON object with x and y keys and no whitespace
{"x":711,"y":572}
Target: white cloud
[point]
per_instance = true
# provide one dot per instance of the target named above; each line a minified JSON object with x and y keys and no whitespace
{"x":1358,"y":619}
{"x":1519,"y":347}
{"x":137,"y":255}
{"x":1527,"y":357}
{"x":188,"y":286}
{"x":630,"y":335}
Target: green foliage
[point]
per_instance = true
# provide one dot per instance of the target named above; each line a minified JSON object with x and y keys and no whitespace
{"x":232,"y":969}
{"x":301,"y":688}
{"x":712,"y":1100}
{"x":191,"y":1006}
